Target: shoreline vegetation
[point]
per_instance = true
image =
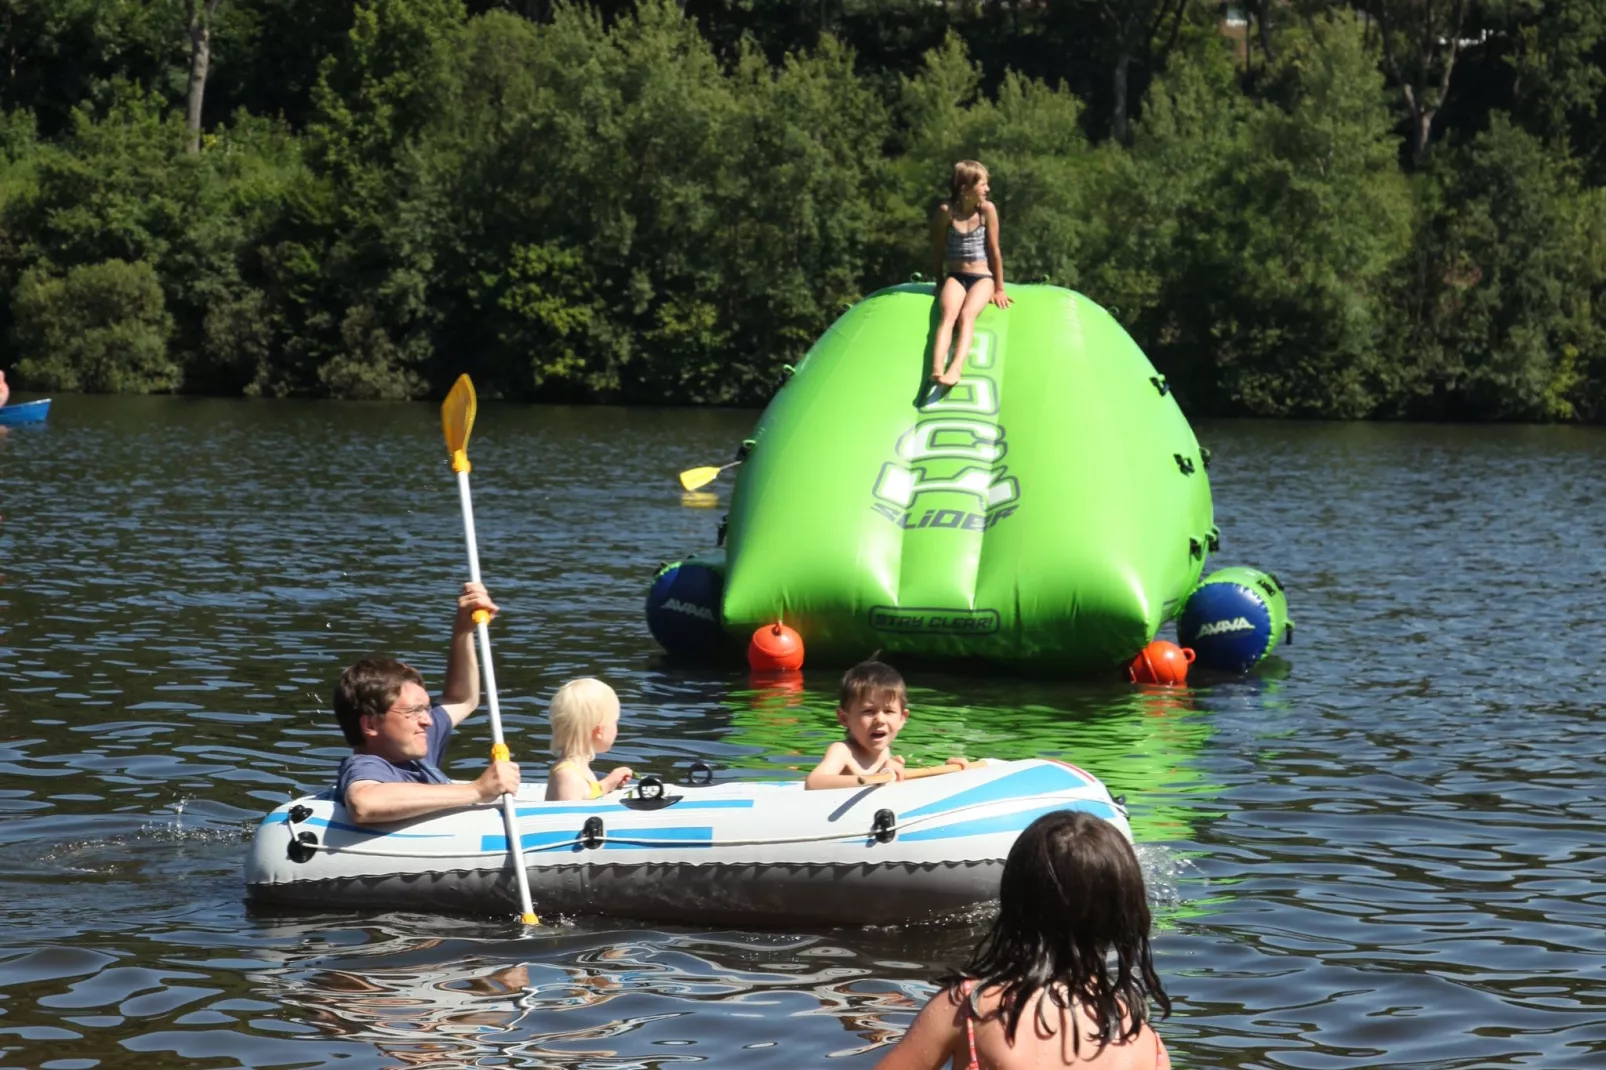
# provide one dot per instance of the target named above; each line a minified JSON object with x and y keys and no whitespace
{"x":1315,"y":209}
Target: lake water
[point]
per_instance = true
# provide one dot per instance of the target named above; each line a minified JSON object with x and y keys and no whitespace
{"x":1384,"y":851}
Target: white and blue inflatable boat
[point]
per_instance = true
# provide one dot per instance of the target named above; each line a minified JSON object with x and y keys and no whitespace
{"x":743,"y":852}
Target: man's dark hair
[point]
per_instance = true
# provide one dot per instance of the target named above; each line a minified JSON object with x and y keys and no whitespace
{"x":369,"y":686}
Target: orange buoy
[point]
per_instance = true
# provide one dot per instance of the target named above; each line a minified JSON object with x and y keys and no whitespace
{"x":1160,"y":662}
{"x":775,"y":646}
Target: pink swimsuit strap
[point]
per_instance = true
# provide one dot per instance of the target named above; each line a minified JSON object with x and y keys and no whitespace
{"x":967,"y":986}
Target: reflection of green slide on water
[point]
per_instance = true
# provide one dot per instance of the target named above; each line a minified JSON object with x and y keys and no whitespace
{"x":1048,"y":512}
{"x":1143,"y":743}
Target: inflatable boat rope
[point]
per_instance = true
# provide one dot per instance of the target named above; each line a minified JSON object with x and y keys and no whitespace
{"x":877,"y":831}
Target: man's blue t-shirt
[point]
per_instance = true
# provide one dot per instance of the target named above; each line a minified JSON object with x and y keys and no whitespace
{"x":357,"y":767}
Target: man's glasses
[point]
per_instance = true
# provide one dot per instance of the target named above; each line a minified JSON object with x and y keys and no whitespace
{"x":417,"y":713}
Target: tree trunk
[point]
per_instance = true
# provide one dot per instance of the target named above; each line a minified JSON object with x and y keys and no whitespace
{"x":1421,"y":134}
{"x":1118,"y":123}
{"x":1263,"y":31}
{"x":201,"y":12}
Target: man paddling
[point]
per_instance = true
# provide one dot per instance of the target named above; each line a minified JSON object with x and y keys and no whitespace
{"x":398,"y":736}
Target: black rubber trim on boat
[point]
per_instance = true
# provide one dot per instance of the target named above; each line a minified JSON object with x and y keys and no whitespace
{"x":592,"y":833}
{"x":303,"y":847}
{"x":299,"y":813}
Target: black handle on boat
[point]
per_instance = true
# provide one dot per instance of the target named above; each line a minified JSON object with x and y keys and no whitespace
{"x":303,"y":847}
{"x":650,"y":787}
{"x":698,"y":775}
{"x":885,"y":826}
{"x":592,"y":832}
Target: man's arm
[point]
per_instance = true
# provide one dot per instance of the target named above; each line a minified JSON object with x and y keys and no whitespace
{"x":375,"y":802}
{"x":460,"y":695}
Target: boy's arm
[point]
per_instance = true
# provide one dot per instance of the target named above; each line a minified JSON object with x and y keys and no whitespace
{"x":460,"y":695}
{"x":836,"y":770}
{"x":828,"y":773}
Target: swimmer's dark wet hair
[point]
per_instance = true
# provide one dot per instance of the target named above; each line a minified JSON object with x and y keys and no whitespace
{"x":1071,"y":895}
{"x":871,"y":680}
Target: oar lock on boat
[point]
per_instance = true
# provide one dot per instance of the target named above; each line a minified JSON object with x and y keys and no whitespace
{"x":303,"y":845}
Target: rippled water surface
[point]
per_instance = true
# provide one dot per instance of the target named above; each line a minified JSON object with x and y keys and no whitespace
{"x":1383,"y":851}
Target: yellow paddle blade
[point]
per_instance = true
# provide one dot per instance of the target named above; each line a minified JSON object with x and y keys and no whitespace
{"x":457,"y":420}
{"x":692,"y":478}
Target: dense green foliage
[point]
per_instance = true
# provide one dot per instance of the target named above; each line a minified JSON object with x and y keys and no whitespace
{"x":1325,"y":209}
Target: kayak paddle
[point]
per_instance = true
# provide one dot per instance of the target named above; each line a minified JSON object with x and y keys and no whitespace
{"x":692,"y":478}
{"x":457,"y":420}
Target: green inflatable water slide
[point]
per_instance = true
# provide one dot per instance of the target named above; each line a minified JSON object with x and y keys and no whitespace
{"x":1047,"y":513}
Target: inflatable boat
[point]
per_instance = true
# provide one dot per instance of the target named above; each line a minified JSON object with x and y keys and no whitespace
{"x":732,"y":852}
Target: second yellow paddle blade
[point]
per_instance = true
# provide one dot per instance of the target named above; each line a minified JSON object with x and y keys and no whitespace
{"x":692,"y":478}
{"x":457,"y":414}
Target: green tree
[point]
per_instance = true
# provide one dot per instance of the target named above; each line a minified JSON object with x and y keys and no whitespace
{"x":1278,"y":308}
{"x":58,"y":55}
{"x":351,"y":264}
{"x":1506,"y":264}
{"x":101,"y":328}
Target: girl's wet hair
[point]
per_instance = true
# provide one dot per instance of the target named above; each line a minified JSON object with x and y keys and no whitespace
{"x":1072,"y":895}
{"x":966,"y":174}
{"x":578,"y":707}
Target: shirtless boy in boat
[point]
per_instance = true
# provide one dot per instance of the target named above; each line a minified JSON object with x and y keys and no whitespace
{"x":873,"y":706}
{"x":398,"y":736}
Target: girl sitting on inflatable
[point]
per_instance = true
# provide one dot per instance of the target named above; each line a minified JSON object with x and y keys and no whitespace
{"x":585,"y":722}
{"x":969,"y":267}
{"x":1072,"y":893}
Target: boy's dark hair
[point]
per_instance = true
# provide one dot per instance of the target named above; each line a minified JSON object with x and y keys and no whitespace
{"x":1071,"y":893}
{"x":871,"y":679}
{"x":369,"y":686}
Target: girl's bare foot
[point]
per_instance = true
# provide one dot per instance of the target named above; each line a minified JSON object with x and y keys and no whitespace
{"x":950,"y":377}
